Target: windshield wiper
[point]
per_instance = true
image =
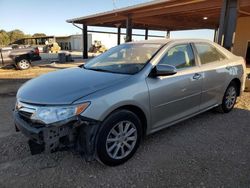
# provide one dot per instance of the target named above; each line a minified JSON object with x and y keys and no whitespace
{"x":96,"y":69}
{"x":104,"y":70}
{"x":81,"y":66}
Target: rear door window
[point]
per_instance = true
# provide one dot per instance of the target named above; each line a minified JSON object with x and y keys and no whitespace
{"x":208,"y":53}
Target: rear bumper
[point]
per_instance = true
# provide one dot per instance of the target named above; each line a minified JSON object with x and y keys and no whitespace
{"x":77,"y":133}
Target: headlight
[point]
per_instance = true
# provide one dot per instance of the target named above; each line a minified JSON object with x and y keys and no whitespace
{"x":54,"y":114}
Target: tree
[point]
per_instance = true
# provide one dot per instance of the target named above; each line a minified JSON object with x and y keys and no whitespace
{"x":39,"y":35}
{"x":28,"y":35}
{"x":4,"y":38}
{"x":15,"y":35}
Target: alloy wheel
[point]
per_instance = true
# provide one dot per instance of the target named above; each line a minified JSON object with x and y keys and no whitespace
{"x":230,"y":97}
{"x":121,"y":140}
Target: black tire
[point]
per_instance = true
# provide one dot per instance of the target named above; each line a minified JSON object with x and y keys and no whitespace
{"x":123,"y":118}
{"x":23,"y":64}
{"x":224,"y":107}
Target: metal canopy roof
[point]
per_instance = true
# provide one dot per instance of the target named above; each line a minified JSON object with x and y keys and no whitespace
{"x":164,"y":15}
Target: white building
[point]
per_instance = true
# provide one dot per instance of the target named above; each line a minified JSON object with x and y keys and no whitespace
{"x":72,"y":42}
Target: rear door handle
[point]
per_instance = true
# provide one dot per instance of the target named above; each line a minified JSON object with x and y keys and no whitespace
{"x":196,"y":76}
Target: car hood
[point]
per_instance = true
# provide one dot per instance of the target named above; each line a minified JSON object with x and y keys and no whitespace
{"x":66,"y":86}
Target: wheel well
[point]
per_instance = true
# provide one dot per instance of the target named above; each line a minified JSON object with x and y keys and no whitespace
{"x":237,"y":82}
{"x":139,"y":113}
{"x":26,"y":56}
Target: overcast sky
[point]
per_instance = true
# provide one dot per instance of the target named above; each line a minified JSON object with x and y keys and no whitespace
{"x":49,"y":16}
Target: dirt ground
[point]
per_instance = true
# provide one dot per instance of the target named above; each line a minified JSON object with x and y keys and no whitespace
{"x":209,"y":150}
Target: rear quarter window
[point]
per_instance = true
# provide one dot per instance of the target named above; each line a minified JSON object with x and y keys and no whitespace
{"x":208,"y":53}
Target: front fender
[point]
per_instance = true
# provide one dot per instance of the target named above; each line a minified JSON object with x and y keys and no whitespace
{"x":106,"y":101}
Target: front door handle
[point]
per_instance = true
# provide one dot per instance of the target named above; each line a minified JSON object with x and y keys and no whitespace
{"x":196,"y":76}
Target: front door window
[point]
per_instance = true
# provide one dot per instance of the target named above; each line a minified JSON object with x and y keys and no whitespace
{"x":180,"y":56}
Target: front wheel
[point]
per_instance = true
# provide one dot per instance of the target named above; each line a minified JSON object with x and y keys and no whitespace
{"x":119,"y":138}
{"x":23,"y":64}
{"x":229,"y":99}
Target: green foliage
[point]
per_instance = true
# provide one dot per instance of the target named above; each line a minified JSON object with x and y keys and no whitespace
{"x":28,"y":36}
{"x":15,"y":35}
{"x":4,"y":38}
{"x":7,"y":38}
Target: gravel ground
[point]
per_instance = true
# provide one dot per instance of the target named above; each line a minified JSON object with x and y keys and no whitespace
{"x":209,"y":150}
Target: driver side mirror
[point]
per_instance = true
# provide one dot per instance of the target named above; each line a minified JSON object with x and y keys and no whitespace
{"x":163,"y":70}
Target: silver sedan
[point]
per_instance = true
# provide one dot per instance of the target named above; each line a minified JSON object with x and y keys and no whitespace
{"x":104,"y":108}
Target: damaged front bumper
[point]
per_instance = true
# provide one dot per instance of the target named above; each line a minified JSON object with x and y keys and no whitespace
{"x":78,"y":133}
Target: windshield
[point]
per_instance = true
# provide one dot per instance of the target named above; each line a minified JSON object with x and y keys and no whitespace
{"x":127,"y":58}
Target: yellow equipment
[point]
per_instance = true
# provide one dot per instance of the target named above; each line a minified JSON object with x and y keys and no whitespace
{"x":97,"y":47}
{"x":52,"y":48}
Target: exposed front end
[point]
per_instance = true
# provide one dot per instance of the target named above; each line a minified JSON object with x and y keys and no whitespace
{"x":71,"y":131}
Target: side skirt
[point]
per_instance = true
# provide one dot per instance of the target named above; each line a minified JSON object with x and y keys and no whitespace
{"x":180,"y":120}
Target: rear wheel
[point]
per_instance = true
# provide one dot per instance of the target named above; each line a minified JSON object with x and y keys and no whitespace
{"x":23,"y":64}
{"x":119,"y":138}
{"x":229,"y":99}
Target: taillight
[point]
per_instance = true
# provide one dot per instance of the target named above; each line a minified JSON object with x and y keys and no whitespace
{"x":36,"y":51}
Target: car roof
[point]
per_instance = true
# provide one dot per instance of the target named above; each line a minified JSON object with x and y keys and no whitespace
{"x":165,"y":41}
{"x":154,"y":41}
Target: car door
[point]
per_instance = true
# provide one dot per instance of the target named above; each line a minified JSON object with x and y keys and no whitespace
{"x":177,"y":96}
{"x":216,"y":72}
